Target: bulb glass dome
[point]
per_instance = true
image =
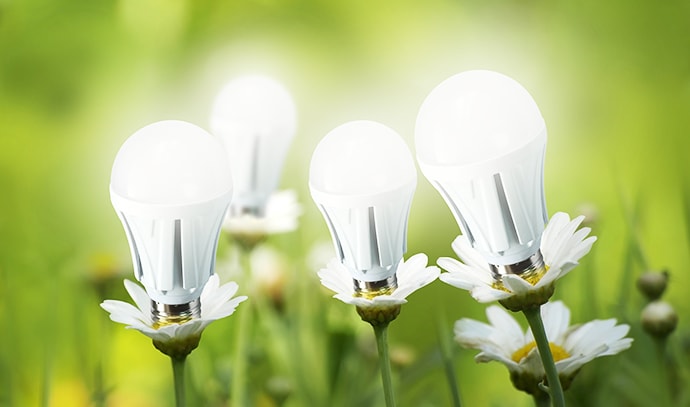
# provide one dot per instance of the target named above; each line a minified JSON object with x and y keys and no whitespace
{"x":171,"y":186}
{"x":476,"y":116}
{"x":256,"y":118}
{"x":361,"y":158}
{"x":480,"y":141}
{"x":172,"y":163}
{"x":362,"y":177}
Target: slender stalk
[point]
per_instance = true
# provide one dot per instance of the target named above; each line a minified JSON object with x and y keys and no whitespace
{"x":533,"y":316}
{"x":238,"y":389}
{"x":664,"y":372}
{"x":381,"y":332}
{"x":178,"y":365}
{"x":446,"y":353}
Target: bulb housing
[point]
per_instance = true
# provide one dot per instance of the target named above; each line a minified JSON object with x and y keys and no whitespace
{"x":256,"y":118}
{"x":362,"y":177}
{"x":171,"y":186}
{"x":481,"y":141}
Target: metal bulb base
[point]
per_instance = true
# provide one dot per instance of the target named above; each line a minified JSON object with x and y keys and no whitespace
{"x":371,"y":289}
{"x":169,"y":314}
{"x":256,"y":211}
{"x":526,"y":268}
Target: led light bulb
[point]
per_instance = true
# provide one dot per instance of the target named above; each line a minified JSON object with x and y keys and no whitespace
{"x":362,"y":177}
{"x":171,"y":186}
{"x":480,"y":141}
{"x":256,"y":118}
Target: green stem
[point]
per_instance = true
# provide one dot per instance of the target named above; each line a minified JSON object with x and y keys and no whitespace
{"x":178,"y":365}
{"x":664,"y":374}
{"x":447,"y":354}
{"x":533,"y":316}
{"x":381,"y":332}
{"x":238,"y":394}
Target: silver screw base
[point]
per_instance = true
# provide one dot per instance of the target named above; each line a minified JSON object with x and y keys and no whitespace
{"x":371,"y":289}
{"x":237,"y":211}
{"x":531,"y":264}
{"x":168,"y":314}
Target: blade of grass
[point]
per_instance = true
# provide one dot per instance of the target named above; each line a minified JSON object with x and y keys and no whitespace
{"x":448,"y":361}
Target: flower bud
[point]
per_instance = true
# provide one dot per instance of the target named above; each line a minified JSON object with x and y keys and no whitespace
{"x":653,"y":284}
{"x":659,"y":319}
{"x":178,"y":348}
{"x":379,"y":315}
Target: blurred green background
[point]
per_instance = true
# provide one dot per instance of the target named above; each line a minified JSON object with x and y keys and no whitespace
{"x":612,"y":80}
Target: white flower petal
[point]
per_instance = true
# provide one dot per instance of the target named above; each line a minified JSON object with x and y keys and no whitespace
{"x":486,"y":294}
{"x":488,"y":356}
{"x":511,"y":336}
{"x":336,"y":277}
{"x":531,"y":363}
{"x":123,"y":312}
{"x":502,"y":337}
{"x":551,"y":275}
{"x":516,"y":284}
{"x":562,"y":245}
{"x":468,"y":255}
{"x":550,"y":236}
{"x":216,"y":303}
{"x":141,"y":299}
{"x":556,"y":318}
{"x":460,"y":271}
{"x":412,"y":275}
{"x":215,"y":298}
{"x":584,"y":339}
{"x":281,"y":214}
{"x":472,"y":333}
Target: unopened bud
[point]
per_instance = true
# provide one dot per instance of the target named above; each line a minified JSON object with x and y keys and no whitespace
{"x":659,"y":319}
{"x":653,"y":284}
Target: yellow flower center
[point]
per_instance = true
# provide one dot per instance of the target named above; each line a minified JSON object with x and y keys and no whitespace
{"x":370,"y":295}
{"x":557,"y":352}
{"x":171,"y":320}
{"x":531,"y":276}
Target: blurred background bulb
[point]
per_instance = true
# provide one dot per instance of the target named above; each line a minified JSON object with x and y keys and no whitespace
{"x":480,"y":141}
{"x":256,"y":118}
{"x":362,"y":177}
{"x":171,"y":186}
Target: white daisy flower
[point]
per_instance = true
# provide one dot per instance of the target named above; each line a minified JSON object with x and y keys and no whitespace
{"x":562,"y":245}
{"x":572,"y":346}
{"x":411,"y":275}
{"x":282,"y":212}
{"x":176,"y":340}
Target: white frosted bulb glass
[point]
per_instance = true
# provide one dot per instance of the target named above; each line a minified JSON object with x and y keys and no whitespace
{"x":256,"y":118}
{"x":480,"y":140}
{"x":171,"y":186}
{"x":362,"y":177}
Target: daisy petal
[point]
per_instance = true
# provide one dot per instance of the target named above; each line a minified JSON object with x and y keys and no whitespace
{"x":503,"y":340}
{"x":216,"y":302}
{"x":562,"y":245}
{"x":412,"y":274}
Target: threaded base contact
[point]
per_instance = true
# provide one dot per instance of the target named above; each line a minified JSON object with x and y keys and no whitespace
{"x":533,"y":264}
{"x":371,"y":289}
{"x":237,"y":211}
{"x":168,"y":314}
